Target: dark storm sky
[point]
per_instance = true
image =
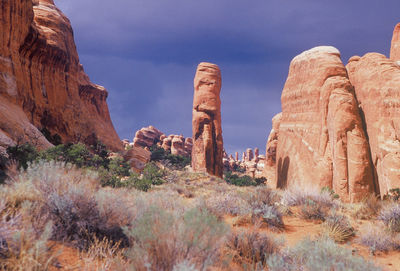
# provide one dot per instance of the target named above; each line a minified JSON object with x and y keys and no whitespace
{"x":145,"y":53}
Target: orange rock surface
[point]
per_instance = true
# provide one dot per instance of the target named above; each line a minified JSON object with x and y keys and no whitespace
{"x":395,"y":48}
{"x":40,"y":73}
{"x":207,"y":149}
{"x":321,"y":138}
{"x":376,"y":80}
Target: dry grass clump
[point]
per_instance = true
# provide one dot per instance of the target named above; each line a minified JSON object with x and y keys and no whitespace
{"x":319,"y":255}
{"x":338,"y":228}
{"x":368,"y":208}
{"x":250,"y":249}
{"x":313,"y":204}
{"x":103,"y":255}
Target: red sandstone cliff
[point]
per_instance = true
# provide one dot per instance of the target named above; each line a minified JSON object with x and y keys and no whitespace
{"x":42,"y":81}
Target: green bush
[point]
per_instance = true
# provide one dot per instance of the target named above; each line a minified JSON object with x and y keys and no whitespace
{"x":168,"y":159}
{"x":23,"y":154}
{"x":154,"y":174}
{"x":244,"y":180}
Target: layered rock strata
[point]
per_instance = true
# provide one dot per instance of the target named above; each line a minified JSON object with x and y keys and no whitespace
{"x":207,"y":149}
{"x":376,"y":80}
{"x":40,"y":75}
{"x":322,"y":142}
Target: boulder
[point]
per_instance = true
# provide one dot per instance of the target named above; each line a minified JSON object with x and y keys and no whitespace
{"x":137,"y":158}
{"x":147,"y":137}
{"x":207,"y":149}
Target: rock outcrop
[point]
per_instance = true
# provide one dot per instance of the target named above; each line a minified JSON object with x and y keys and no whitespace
{"x":175,"y":144}
{"x":147,"y":137}
{"x":272,"y":141}
{"x":41,"y":78}
{"x":322,"y":142}
{"x":207,"y":149}
{"x":395,"y":48}
{"x":376,"y":80}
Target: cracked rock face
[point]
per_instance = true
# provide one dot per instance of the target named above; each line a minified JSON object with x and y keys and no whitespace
{"x":322,"y":142}
{"x":41,"y":75}
{"x":376,"y":80}
{"x":207,"y":152}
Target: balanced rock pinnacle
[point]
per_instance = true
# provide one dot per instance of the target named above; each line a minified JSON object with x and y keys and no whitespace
{"x":207,"y":149}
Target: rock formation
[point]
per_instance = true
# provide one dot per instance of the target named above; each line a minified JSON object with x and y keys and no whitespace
{"x":376,"y":80}
{"x":395,"y":49}
{"x":249,"y":155}
{"x":272,"y":141}
{"x":206,"y":123}
{"x":321,"y":137}
{"x":42,"y":80}
{"x":178,"y":146}
{"x":175,"y":144}
{"x":147,"y":137}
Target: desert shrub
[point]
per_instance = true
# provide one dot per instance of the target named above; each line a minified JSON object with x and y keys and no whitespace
{"x":238,"y":168}
{"x":330,"y":191}
{"x":168,"y":159}
{"x":23,"y":154}
{"x":390,"y":216}
{"x":262,"y":195}
{"x":153,"y":173}
{"x":313,"y":204}
{"x":250,"y":249}
{"x":65,"y":195}
{"x":312,"y":210}
{"x":237,"y":180}
{"x":368,"y":208}
{"x":230,"y":203}
{"x":163,"y":238}
{"x":297,"y":197}
{"x":3,"y":167}
{"x":270,"y":216}
{"x":22,"y":247}
{"x":320,"y":255}
{"x":338,"y":228}
{"x":377,"y":239}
